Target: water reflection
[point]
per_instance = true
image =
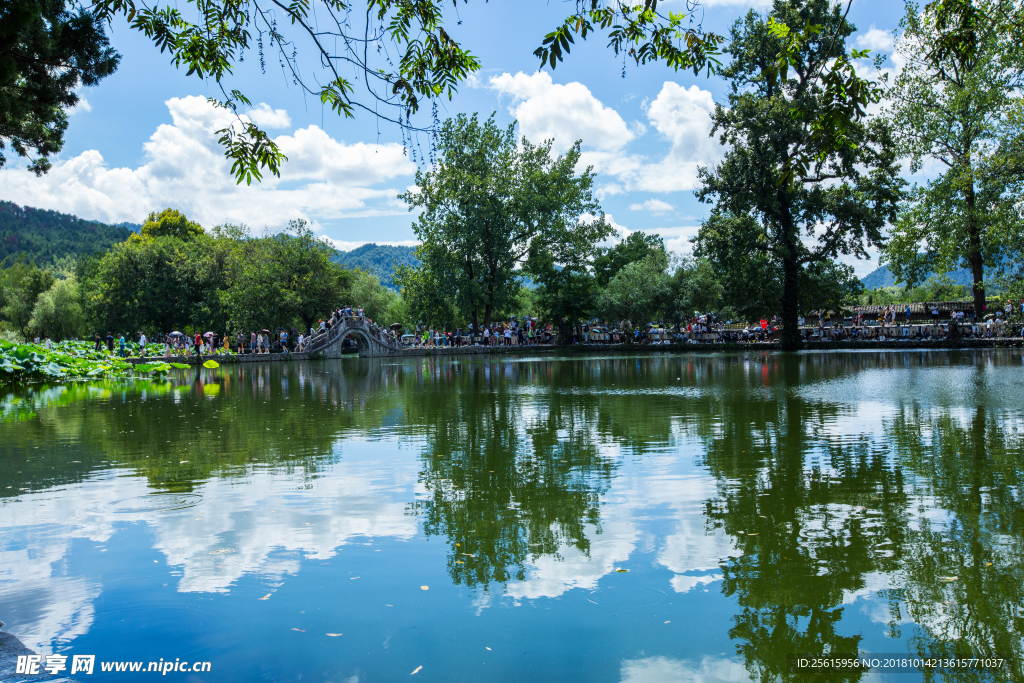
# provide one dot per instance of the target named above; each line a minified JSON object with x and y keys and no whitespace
{"x":813,"y":503}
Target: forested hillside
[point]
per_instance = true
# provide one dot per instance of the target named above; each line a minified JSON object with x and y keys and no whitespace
{"x":378,"y":259}
{"x":48,"y":235}
{"x":883,"y":277}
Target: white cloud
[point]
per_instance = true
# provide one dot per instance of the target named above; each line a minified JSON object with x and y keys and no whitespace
{"x":566,"y":113}
{"x":186,"y":169}
{"x":683,"y":116}
{"x":81,"y":106}
{"x":266,"y":117}
{"x":569,"y":112}
{"x":875,"y":39}
{"x":655,"y":206}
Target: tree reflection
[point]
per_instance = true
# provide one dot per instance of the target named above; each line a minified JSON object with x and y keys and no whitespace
{"x":812,"y":515}
{"x":507,"y":477}
{"x":965,"y":574}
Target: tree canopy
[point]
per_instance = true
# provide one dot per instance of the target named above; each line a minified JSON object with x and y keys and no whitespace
{"x":491,"y":207}
{"x":772,"y":212}
{"x":48,"y":48}
{"x":953,"y":104}
{"x":170,"y":223}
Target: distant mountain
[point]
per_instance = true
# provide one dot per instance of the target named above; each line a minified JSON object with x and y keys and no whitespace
{"x":48,"y":235}
{"x":883,"y":277}
{"x":379,"y":259}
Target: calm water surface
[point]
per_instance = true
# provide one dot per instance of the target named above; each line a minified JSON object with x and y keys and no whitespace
{"x":656,"y":518}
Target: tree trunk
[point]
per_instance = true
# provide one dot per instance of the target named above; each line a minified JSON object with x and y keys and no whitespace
{"x":974,"y":258}
{"x":791,"y":339}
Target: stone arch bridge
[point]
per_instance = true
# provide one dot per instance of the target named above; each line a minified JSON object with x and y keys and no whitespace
{"x":371,"y":340}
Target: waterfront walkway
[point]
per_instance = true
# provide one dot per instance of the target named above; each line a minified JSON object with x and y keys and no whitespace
{"x":602,"y":349}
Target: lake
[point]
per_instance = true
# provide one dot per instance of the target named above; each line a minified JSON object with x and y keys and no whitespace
{"x":651,"y":518}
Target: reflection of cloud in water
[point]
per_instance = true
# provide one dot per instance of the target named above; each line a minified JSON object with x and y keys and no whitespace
{"x":868,"y":601}
{"x":665,"y":670}
{"x":550,"y":576}
{"x":264,"y":523}
{"x":685,"y":584}
{"x":659,"y":496}
{"x":250,"y":519}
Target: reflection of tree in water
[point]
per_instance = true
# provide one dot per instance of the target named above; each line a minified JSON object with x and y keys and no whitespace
{"x":195,"y":425}
{"x":507,"y":477}
{"x":813,"y":516}
{"x":971,"y":467}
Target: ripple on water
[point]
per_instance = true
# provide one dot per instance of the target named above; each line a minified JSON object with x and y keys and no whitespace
{"x":159,"y":501}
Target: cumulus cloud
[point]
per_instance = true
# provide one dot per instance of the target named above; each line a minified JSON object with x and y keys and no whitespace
{"x":266,"y":117}
{"x":570,"y":112}
{"x":566,"y":113}
{"x":683,"y":117}
{"x":186,"y":169}
{"x":874,"y":39}
{"x":655,"y":206}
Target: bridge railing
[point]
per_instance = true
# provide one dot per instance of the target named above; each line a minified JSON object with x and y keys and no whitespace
{"x":322,"y":340}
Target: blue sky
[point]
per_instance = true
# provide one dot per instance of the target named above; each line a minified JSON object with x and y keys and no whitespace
{"x":143,"y":139}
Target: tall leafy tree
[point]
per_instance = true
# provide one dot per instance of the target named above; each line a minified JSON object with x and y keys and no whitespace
{"x":490,"y":206}
{"x":567,"y":293}
{"x":48,"y":48}
{"x":693,"y":288}
{"x":636,"y":247}
{"x":950,"y":105}
{"x":158,"y":284}
{"x":638,"y":293}
{"x":58,"y":312}
{"x":785,"y":193}
{"x":283,"y":279}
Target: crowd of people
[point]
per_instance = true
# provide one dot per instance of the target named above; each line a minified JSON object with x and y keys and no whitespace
{"x":896,"y":321}
{"x":514,"y":332}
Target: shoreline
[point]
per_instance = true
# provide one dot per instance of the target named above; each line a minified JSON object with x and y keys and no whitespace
{"x":585,"y":349}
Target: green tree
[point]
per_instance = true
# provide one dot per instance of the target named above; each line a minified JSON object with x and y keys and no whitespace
{"x":638,"y":292}
{"x":427,"y":300}
{"x":382,"y":305}
{"x":158,"y":284}
{"x":636,"y":247}
{"x":566,"y":296}
{"x":170,"y":223}
{"x":693,"y":288}
{"x":490,"y":206}
{"x":949,"y":104}
{"x":770,"y":207}
{"x":48,"y":48}
{"x":827,"y":285}
{"x":21,"y":283}
{"x":59,"y":313}
{"x":283,"y":279}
